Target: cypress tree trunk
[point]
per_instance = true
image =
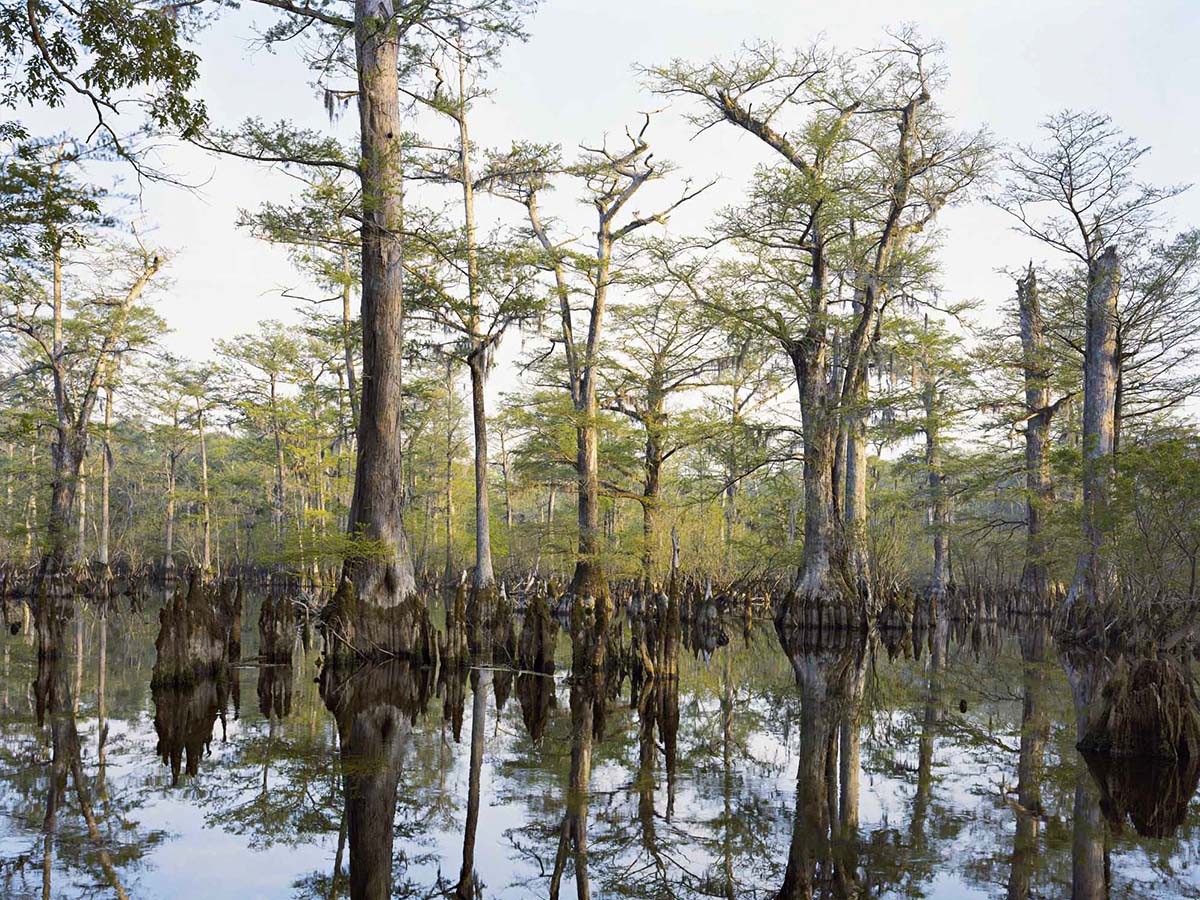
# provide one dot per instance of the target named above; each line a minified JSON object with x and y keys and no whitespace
{"x":937,"y":493}
{"x":855,"y":516}
{"x":204,"y":501}
{"x":1093,"y":575}
{"x":1035,"y":577}
{"x":484,"y":575}
{"x":376,"y":611}
{"x":105,"y":479}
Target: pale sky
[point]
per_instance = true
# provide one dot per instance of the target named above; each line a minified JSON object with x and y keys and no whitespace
{"x":1010,"y":62}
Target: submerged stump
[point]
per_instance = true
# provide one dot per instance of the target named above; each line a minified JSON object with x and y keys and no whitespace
{"x":1147,"y":709}
{"x":191,"y":642}
{"x":276,"y":629}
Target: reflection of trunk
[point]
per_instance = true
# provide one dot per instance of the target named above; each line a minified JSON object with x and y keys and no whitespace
{"x":810,"y":828}
{"x":1093,"y":576}
{"x":573,"y":833}
{"x":929,"y":727}
{"x":467,"y":880}
{"x":55,"y":700}
{"x":1035,"y":730}
{"x":829,"y":680}
{"x":848,"y":773}
{"x":727,"y":698}
{"x":589,"y":642}
{"x":373,"y":708}
{"x":1035,"y":578}
{"x":647,"y":758}
{"x":1089,"y":856}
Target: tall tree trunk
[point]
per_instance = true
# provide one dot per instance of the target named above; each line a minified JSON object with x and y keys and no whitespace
{"x":1035,"y":577}
{"x":589,"y":579}
{"x":169,"y":554}
{"x":105,"y":480}
{"x":348,"y":341}
{"x":508,"y":509}
{"x":81,"y":529}
{"x":1093,"y":575}
{"x":280,"y":491}
{"x":377,"y":610}
{"x":449,"y":577}
{"x":652,"y":486}
{"x":819,"y":432}
{"x":854,"y":518}
{"x":206,"y":511}
{"x":937,"y":492}
{"x":484,"y":575}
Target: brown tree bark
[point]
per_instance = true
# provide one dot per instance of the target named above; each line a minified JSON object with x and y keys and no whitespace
{"x":376,"y":611}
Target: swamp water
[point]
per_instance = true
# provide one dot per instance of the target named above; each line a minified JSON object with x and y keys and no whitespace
{"x":948,"y":772}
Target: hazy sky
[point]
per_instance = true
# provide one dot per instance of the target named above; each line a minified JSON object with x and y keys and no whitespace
{"x":1010,"y":62}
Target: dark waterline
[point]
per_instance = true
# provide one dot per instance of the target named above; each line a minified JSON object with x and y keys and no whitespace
{"x":968,"y":783}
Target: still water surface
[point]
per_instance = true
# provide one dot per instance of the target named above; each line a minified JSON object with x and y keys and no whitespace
{"x":952,"y":775}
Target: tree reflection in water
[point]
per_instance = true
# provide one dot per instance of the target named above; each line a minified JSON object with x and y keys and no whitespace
{"x":829,"y":769}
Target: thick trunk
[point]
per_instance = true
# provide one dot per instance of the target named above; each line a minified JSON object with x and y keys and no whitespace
{"x":1035,"y":578}
{"x":855,"y":500}
{"x":810,"y":827}
{"x":1093,"y":575}
{"x":374,"y":708}
{"x":819,"y":430}
{"x":816,"y":582}
{"x":69,"y":450}
{"x":377,"y":611}
{"x":484,"y":576}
